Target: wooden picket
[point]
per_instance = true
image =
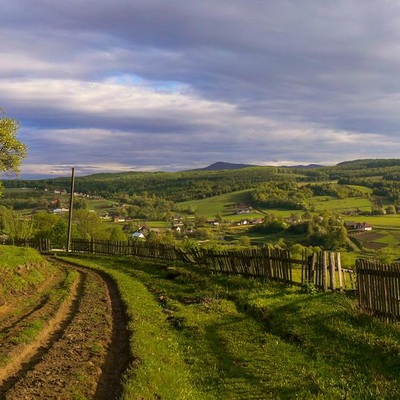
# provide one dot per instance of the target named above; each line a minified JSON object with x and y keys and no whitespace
{"x":379,"y":288}
{"x":324,"y":271}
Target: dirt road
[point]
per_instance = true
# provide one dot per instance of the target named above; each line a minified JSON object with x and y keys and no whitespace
{"x":68,"y":341}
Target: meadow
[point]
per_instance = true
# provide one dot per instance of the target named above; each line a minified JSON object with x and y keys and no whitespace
{"x":202,"y":336}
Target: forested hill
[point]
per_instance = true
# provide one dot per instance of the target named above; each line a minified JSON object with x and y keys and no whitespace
{"x":176,"y":186}
{"x":380,"y":174}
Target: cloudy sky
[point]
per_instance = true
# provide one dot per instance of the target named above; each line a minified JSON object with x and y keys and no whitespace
{"x":122,"y":85}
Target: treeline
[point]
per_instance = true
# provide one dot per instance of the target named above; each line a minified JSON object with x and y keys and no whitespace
{"x":174,"y":186}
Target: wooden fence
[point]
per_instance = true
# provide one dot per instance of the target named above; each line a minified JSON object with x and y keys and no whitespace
{"x":379,"y":288}
{"x":377,"y":284}
{"x":130,"y":248}
{"x":273,"y":264}
{"x":38,"y":244}
{"x":323,"y":270}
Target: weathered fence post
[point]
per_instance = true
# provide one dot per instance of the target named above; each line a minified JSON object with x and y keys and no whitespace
{"x":332,"y":270}
{"x":339,"y":268}
{"x":324,"y":271}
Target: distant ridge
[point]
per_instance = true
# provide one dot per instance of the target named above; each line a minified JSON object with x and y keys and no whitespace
{"x":219,"y":165}
{"x":309,"y":166}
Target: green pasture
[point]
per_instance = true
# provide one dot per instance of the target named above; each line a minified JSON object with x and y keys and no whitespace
{"x":379,"y":221}
{"x":221,"y":204}
{"x":328,"y":203}
{"x":365,"y":190}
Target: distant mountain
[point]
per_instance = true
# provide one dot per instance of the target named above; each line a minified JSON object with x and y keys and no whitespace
{"x":309,"y":166}
{"x":220,"y":165}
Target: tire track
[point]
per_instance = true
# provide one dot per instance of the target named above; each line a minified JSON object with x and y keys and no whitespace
{"x":26,"y":357}
{"x":83,"y":351}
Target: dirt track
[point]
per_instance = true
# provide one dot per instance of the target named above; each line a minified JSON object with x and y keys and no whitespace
{"x":81,"y":347}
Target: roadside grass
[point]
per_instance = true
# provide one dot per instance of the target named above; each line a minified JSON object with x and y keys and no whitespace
{"x":158,"y":369}
{"x":29,"y":333}
{"x":21,"y":269}
{"x":219,"y":337}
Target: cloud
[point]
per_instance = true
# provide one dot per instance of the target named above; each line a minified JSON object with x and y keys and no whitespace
{"x":170,"y":85}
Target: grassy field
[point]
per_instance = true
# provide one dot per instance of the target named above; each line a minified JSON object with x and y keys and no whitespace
{"x":201,"y":336}
{"x":222,"y":204}
{"x":322,"y":203}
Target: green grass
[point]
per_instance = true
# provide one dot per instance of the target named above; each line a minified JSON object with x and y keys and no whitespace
{"x":328,"y":203}
{"x":237,"y":338}
{"x":158,"y":369}
{"x":29,"y":333}
{"x":221,"y":204}
{"x":21,"y":269}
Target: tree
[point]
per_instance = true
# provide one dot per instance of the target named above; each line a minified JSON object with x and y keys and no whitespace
{"x":117,"y":234}
{"x":12,"y":151}
{"x":89,"y":226}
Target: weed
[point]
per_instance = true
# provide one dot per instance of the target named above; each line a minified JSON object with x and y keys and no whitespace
{"x":29,"y":333}
{"x":309,"y":288}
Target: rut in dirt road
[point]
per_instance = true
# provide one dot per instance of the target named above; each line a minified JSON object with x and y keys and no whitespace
{"x":81,"y":353}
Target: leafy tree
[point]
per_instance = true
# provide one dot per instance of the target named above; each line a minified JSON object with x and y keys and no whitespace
{"x":327,"y":230}
{"x":89,"y":225}
{"x":390,"y":209}
{"x":117,"y":234}
{"x":20,"y":228}
{"x":12,"y":151}
{"x":270,"y":224}
{"x":6,"y":218}
{"x":244,"y":241}
{"x":81,"y":204}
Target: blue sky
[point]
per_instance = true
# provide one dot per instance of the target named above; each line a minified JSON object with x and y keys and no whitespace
{"x":123,"y":85}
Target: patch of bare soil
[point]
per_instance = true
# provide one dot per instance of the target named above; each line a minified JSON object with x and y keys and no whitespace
{"x":80,"y":353}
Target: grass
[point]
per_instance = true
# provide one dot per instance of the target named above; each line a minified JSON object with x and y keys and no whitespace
{"x":29,"y":333}
{"x":322,"y":203}
{"x":21,"y":269}
{"x":212,"y":206}
{"x":158,"y":369}
{"x":202,"y":336}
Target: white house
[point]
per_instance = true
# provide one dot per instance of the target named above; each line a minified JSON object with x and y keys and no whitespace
{"x":138,"y":235}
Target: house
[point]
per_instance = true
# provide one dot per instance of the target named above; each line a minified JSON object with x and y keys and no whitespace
{"x":60,"y":210}
{"x":138,"y":235}
{"x":358,"y":226}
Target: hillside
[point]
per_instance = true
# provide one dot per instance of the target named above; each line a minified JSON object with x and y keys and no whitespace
{"x":221,"y":177}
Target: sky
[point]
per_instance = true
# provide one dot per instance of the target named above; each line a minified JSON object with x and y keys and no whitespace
{"x":169,"y":85}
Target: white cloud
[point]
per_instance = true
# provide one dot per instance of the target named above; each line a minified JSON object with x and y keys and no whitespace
{"x":155,"y":84}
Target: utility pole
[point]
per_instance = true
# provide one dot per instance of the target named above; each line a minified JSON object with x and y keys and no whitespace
{"x":71,"y":205}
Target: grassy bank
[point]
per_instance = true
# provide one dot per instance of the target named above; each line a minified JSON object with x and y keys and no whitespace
{"x":22,"y":269}
{"x":201,"y":336}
